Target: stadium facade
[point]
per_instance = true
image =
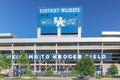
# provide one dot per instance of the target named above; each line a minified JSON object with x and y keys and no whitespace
{"x":60,"y":50}
{"x":60,"y":53}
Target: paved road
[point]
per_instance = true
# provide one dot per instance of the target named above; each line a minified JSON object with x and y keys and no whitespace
{"x":59,"y":78}
{"x":110,"y":79}
{"x":74,"y":78}
{"x":67,"y":78}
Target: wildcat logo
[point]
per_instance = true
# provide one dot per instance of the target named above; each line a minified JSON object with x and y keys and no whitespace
{"x":59,"y":21}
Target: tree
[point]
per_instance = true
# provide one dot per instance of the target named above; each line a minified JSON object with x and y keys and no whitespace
{"x":113,"y":70}
{"x":7,"y":63}
{"x":85,"y":67}
{"x":23,"y":61}
{"x":1,"y":63}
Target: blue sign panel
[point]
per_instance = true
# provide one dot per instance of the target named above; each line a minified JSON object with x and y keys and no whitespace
{"x":51,"y":18}
{"x":64,"y":56}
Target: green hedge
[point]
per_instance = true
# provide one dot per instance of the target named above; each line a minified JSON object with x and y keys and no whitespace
{"x":28,"y":73}
{"x":49,"y":73}
{"x":2,"y":75}
{"x":98,"y":77}
{"x":73,"y":73}
{"x":32,"y":75}
{"x":107,"y":76}
{"x":116,"y":76}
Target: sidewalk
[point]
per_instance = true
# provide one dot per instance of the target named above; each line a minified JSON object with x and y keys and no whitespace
{"x":53,"y":78}
{"x":73,"y":78}
{"x":62,"y":78}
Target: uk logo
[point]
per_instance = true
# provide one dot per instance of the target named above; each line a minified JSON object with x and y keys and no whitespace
{"x":59,"y":21}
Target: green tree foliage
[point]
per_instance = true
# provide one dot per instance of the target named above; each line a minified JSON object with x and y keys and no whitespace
{"x":1,"y":63}
{"x":113,"y":70}
{"x":7,"y":63}
{"x":85,"y":67}
{"x":23,"y":61}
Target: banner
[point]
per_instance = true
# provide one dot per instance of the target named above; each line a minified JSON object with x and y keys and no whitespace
{"x":60,"y":17}
{"x":64,"y":56}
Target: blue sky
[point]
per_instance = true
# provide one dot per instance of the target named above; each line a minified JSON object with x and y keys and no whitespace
{"x":20,"y":16}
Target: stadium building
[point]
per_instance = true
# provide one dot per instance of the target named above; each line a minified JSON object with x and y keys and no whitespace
{"x":60,"y":49}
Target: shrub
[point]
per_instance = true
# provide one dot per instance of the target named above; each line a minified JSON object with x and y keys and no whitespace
{"x":80,"y":77}
{"x":29,"y":73}
{"x":113,"y":70}
{"x":73,"y":73}
{"x":49,"y":73}
{"x":107,"y":76}
{"x":117,"y":76}
{"x":98,"y":77}
{"x":2,"y":75}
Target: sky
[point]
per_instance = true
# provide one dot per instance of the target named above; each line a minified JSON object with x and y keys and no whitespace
{"x":19,"y":17}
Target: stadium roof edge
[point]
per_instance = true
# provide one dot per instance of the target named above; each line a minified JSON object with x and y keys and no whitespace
{"x":110,"y":32}
{"x":6,"y":35}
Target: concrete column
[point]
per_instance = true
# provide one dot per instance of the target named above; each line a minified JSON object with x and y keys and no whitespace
{"x":38,"y":32}
{"x":59,"y":31}
{"x":56,"y":60}
{"x":12,"y":52}
{"x":79,"y":31}
{"x":101,"y":62}
{"x":40,"y":62}
{"x":46,"y":68}
{"x":34,"y":57}
{"x":78,"y":48}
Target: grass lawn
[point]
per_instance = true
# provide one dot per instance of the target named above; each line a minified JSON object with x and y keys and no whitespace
{"x":17,"y":79}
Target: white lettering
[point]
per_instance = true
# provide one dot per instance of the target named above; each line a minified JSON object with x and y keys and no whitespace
{"x":70,"y":56}
{"x":79,"y":56}
{"x":59,"y":22}
{"x":59,"y":56}
{"x":64,"y":56}
{"x":86,"y":55}
{"x":94,"y":57}
{"x":99,"y":56}
{"x":74,"y":57}
{"x":54,"y":57}
{"x":30,"y":57}
{"x":42,"y":56}
{"x":36,"y":57}
{"x":103,"y":56}
{"x":56,"y":10}
{"x":70,"y":10}
{"x":13,"y":56}
{"x":47,"y":57}
{"x":90,"y":56}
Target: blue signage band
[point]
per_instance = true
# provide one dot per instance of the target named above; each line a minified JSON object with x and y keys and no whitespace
{"x":64,"y":56}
